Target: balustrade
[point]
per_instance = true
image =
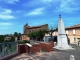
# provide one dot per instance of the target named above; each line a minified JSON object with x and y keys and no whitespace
{"x":7,"y":48}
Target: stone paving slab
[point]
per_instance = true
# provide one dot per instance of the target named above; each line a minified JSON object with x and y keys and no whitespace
{"x":54,"y":55}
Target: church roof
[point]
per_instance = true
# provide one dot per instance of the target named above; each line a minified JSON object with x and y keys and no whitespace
{"x":37,"y":26}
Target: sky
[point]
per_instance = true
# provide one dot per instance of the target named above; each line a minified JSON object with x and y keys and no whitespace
{"x":14,"y":14}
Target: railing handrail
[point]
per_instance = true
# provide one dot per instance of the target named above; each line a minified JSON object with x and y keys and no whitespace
{"x":8,"y":48}
{"x":8,"y":42}
{"x":1,"y":43}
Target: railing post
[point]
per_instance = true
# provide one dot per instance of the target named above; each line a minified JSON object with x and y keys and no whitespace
{"x":72,"y":57}
{"x":3,"y":49}
{"x":17,"y":45}
{"x":8,"y":48}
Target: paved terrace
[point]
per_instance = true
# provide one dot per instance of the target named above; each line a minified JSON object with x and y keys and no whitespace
{"x":54,"y":55}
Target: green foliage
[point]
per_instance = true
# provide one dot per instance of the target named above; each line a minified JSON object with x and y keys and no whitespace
{"x":23,"y":41}
{"x":37,"y":34}
{"x":1,"y":38}
{"x":16,"y":34}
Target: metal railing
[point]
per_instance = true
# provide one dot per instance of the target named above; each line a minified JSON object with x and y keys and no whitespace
{"x":7,"y":48}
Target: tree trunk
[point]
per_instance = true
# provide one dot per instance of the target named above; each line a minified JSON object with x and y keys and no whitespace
{"x":51,"y":36}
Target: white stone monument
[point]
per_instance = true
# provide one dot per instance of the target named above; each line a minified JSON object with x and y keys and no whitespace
{"x":62,"y":42}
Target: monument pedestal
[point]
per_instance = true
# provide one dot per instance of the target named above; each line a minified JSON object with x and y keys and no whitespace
{"x":62,"y":43}
{"x":63,"y":47}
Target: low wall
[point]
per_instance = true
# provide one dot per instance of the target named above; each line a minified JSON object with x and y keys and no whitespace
{"x":9,"y":56}
{"x":35,"y":48}
{"x":47,"y":46}
{"x":22,"y":48}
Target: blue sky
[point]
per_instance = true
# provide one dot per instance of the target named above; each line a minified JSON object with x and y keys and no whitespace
{"x":15,"y":13}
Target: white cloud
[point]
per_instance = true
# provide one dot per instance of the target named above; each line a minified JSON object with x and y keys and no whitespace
{"x":68,"y":6}
{"x":6,"y":24}
{"x":6,"y":14}
{"x":6,"y":11}
{"x":46,"y":1}
{"x":37,"y":11}
{"x":40,"y":3}
{"x":5,"y":17}
{"x":65,"y":6}
{"x":10,"y":1}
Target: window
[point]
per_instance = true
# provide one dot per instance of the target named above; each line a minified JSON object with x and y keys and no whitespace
{"x":74,"y":39}
{"x":73,"y":31}
{"x":66,"y":31}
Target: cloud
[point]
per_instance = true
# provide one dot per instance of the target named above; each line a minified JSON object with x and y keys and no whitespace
{"x":65,"y":6}
{"x":10,"y":1}
{"x":40,"y":3}
{"x":37,"y":11}
{"x":46,"y":1}
{"x":6,"y":14}
{"x":68,"y":6}
{"x":5,"y":25}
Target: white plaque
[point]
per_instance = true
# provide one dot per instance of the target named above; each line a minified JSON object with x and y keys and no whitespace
{"x":28,"y":44}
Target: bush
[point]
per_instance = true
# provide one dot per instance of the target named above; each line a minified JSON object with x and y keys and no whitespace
{"x":23,"y":41}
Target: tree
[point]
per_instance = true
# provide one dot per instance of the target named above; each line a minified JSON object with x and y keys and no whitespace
{"x":1,"y":38}
{"x":52,"y":29}
{"x":41,"y":34}
{"x":16,"y":34}
{"x":19,"y":34}
{"x":37,"y":34}
{"x":12,"y":39}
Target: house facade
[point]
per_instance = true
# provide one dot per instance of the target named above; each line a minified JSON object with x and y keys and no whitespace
{"x":73,"y":33}
{"x":24,"y":37}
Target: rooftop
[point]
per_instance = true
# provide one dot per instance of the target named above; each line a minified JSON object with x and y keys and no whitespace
{"x":74,"y":26}
{"x":37,"y":26}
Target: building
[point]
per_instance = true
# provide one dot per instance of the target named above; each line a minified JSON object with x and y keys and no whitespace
{"x":73,"y":33}
{"x":27,"y":29}
{"x":7,"y":37}
{"x":24,"y":37}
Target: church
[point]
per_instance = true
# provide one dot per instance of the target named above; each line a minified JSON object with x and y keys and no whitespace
{"x":27,"y":29}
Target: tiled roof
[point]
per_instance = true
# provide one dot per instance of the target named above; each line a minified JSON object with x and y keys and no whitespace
{"x":74,"y":26}
{"x":70,"y":27}
{"x":37,"y":26}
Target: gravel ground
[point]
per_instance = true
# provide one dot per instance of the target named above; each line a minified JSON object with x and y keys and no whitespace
{"x":54,"y":55}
